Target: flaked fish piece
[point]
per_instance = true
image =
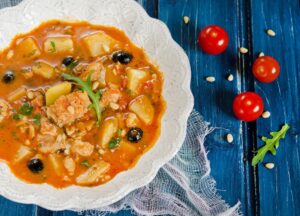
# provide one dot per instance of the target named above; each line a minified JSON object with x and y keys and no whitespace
{"x":69,"y":108}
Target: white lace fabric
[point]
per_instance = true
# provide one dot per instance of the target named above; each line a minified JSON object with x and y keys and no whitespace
{"x":183,"y":187}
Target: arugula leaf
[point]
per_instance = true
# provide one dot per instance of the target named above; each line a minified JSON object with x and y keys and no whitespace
{"x":37,"y":119}
{"x":53,"y":46}
{"x":271,"y":144}
{"x":113,"y":143}
{"x":87,"y":86}
{"x":26,"y":109}
{"x":86,"y":163}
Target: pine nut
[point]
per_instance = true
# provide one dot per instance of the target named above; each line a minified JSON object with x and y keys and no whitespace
{"x":210,"y":79}
{"x":106,"y":47}
{"x":71,"y":110}
{"x":266,"y":114}
{"x":186,"y":19}
{"x":229,"y":138}
{"x":271,"y":33}
{"x":114,"y":106}
{"x":30,"y":95}
{"x":95,"y":85}
{"x":243,"y":50}
{"x":123,"y":133}
{"x":230,"y":77}
{"x":269,"y":165}
{"x":31,"y":132}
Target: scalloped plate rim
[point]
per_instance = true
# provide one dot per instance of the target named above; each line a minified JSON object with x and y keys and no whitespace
{"x":160,"y":162}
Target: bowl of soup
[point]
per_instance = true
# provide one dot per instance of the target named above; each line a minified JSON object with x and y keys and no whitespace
{"x":91,"y":104}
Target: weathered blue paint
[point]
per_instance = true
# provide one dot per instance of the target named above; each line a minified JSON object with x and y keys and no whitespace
{"x":261,"y":191}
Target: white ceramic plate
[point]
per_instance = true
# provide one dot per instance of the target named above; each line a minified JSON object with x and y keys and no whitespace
{"x":146,"y":32}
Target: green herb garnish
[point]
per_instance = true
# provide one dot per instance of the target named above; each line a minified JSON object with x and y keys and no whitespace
{"x":87,"y":86}
{"x":113,"y":143}
{"x":26,"y":109}
{"x":271,"y":144}
{"x":86,"y":163}
{"x":37,"y":119}
{"x":53,"y":46}
{"x":17,"y":116}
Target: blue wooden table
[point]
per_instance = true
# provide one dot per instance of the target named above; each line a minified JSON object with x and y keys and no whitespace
{"x":261,"y":191}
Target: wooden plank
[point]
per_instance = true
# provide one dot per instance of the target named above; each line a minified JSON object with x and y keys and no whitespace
{"x":280,"y":187}
{"x":213,"y":100}
{"x":9,"y":208}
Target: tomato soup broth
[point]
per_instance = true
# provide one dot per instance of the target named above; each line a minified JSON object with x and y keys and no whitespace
{"x":79,"y":103}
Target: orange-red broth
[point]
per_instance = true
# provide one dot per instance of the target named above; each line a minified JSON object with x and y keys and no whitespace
{"x":121,"y":158}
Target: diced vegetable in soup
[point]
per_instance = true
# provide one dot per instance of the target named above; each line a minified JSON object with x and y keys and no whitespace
{"x":79,"y":103}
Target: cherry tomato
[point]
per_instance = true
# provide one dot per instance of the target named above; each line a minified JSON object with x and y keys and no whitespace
{"x":213,"y":39}
{"x":248,"y":106}
{"x":266,"y":69}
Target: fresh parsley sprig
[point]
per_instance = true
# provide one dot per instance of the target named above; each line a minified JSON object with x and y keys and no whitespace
{"x":87,"y":86}
{"x":271,"y":144}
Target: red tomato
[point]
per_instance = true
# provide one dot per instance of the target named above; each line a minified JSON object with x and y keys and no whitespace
{"x":266,"y":69}
{"x":213,"y":39}
{"x":248,"y":106}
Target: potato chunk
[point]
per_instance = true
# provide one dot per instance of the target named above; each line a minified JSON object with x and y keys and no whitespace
{"x":93,"y":174}
{"x":98,"y":43}
{"x":56,"y":91}
{"x":143,"y":108}
{"x":28,"y":49}
{"x":17,"y":94}
{"x":56,"y":162}
{"x":135,"y":78}
{"x":43,"y":69}
{"x":58,"y":45}
{"x":23,"y":153}
{"x":108,"y":130}
{"x":129,"y":148}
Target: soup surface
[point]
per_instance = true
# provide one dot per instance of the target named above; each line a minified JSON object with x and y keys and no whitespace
{"x":79,"y":103}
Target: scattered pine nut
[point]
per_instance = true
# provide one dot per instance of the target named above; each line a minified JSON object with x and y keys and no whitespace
{"x":95,"y":85}
{"x":229,"y":138}
{"x":114,"y":106}
{"x":266,"y":114}
{"x":30,"y":95}
{"x":243,"y":50}
{"x":186,"y":19}
{"x":261,"y":54}
{"x":123,"y":133}
{"x":106,"y":48}
{"x":230,"y":77}
{"x":269,"y":165}
{"x":31,"y":132}
{"x":210,"y":79}
{"x":10,"y":54}
{"x":71,"y":109}
{"x":271,"y":33}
